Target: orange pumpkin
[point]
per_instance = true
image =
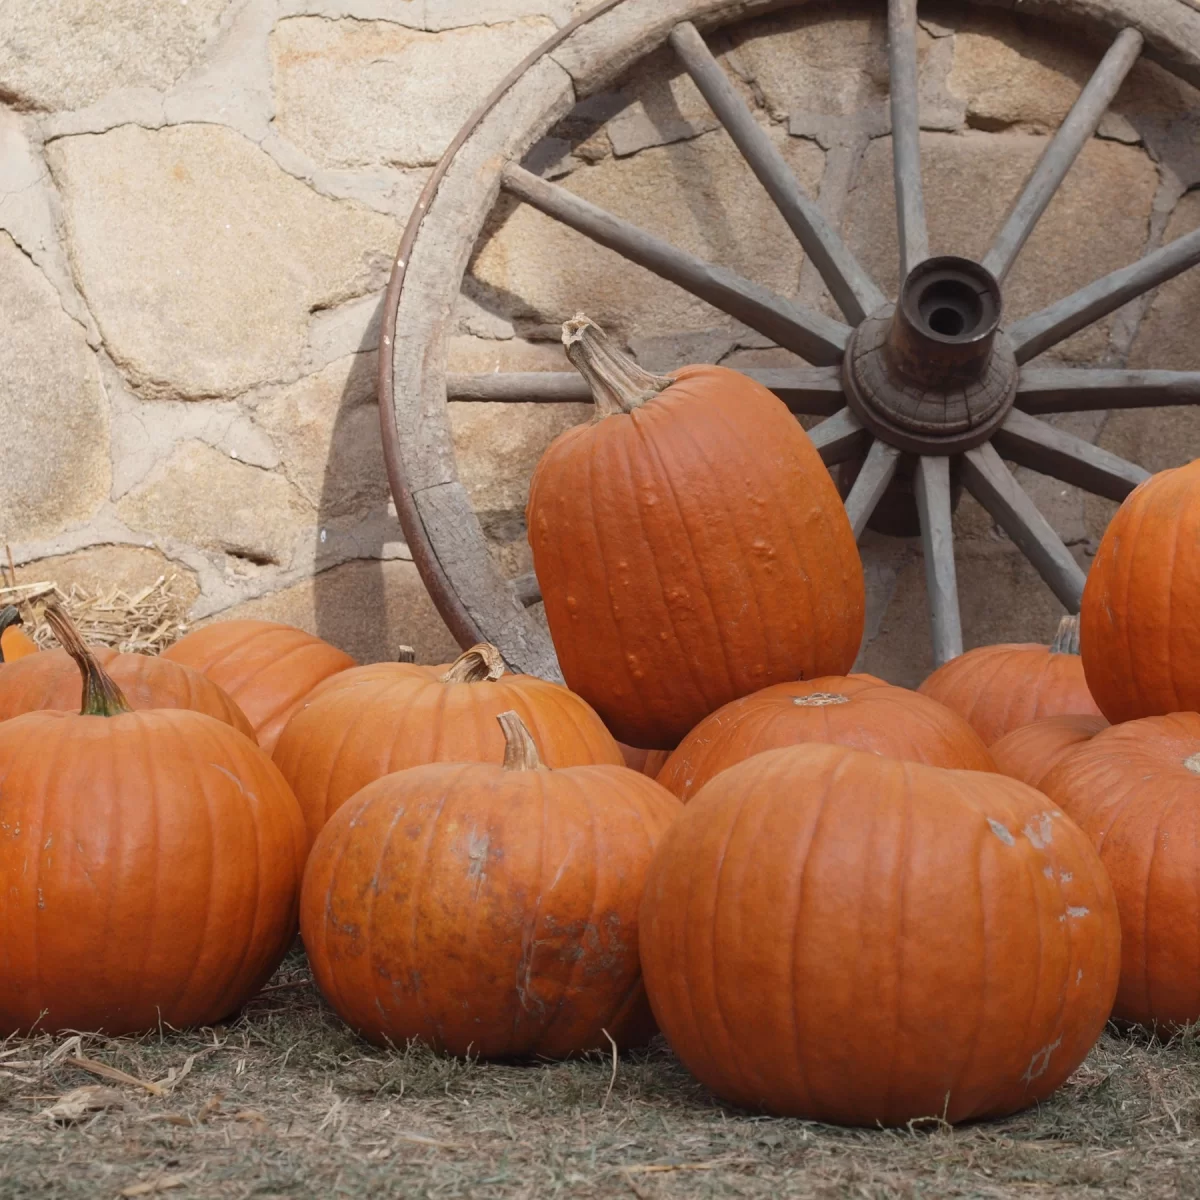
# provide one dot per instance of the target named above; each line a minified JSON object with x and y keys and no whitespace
{"x":1134,"y":789}
{"x":648,"y":762}
{"x":1000,"y":688}
{"x":487,"y":910}
{"x":849,"y":710}
{"x":843,"y":937}
{"x":151,"y":864}
{"x":370,"y":721}
{"x":1030,"y":752}
{"x":14,"y":642}
{"x":1140,"y":638}
{"x":690,"y":546}
{"x":267,"y":668}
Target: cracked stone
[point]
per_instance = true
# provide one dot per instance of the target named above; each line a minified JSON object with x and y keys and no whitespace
{"x":1166,"y":339}
{"x":131,"y":569}
{"x":359,"y":93}
{"x":205,"y":498}
{"x":63,"y":54}
{"x":202,"y":260}
{"x":54,"y":455}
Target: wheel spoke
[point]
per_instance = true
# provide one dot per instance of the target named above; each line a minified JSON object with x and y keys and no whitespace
{"x":839,"y":438}
{"x":1032,"y":443}
{"x":851,"y":287}
{"x":1077,"y":389}
{"x":877,"y":471}
{"x":906,"y":133}
{"x":1050,"y":326}
{"x":937,"y":536}
{"x":813,"y":336}
{"x":992,"y":484}
{"x":1072,"y":135}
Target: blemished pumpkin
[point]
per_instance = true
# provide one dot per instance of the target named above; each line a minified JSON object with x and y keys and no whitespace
{"x":839,"y":936}
{"x":151,"y":877}
{"x":14,"y":641}
{"x":373,"y":720}
{"x":1000,"y":688}
{"x":1134,"y":789}
{"x":1139,"y":633}
{"x":1030,"y":752}
{"x":268,"y":668}
{"x":488,"y":909}
{"x":690,"y":545}
{"x":850,"y":710}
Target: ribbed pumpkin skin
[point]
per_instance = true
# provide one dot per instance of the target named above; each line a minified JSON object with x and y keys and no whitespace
{"x":386,"y":717}
{"x":1000,"y":688}
{"x":1138,"y":630}
{"x":648,"y":762}
{"x":268,"y":668}
{"x":1029,"y":753}
{"x":690,"y":552}
{"x":50,"y":680}
{"x":839,"y":936}
{"x":16,"y":643}
{"x":151,"y":865}
{"x":487,"y":911}
{"x":1130,"y":792}
{"x":862,"y":712}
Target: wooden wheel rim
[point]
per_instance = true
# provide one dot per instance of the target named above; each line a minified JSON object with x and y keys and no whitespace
{"x":443,"y":533}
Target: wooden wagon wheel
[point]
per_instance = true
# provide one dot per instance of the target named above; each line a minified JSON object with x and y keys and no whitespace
{"x":929,"y":381}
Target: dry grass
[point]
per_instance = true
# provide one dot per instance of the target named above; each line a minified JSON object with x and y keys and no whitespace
{"x":285,"y":1102}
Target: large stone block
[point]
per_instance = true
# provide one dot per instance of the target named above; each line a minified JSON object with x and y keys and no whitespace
{"x":63,"y":54}
{"x":358,"y":93}
{"x":1166,"y":338}
{"x":130,"y":569}
{"x":54,"y":463}
{"x":202,"y":260}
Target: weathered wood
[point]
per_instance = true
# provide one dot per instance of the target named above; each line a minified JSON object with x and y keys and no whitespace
{"x":1041,"y":330}
{"x":1071,"y":137}
{"x":906,"y":133}
{"x":1035,"y":444}
{"x":877,"y":470}
{"x":839,"y":438}
{"x":812,"y":335}
{"x":992,"y":484}
{"x":851,"y":287}
{"x":935,"y":508}
{"x":1082,"y":389}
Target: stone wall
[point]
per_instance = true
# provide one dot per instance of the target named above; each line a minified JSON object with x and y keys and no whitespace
{"x":200,"y":199}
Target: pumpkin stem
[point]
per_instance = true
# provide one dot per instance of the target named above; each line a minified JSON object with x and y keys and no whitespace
{"x":1192,"y":762}
{"x":101,"y":696}
{"x":481,"y":664}
{"x":820,"y":699}
{"x":618,"y":384}
{"x":1066,"y":640}
{"x":520,"y":750}
{"x":9,"y":615}
{"x":405,"y":654}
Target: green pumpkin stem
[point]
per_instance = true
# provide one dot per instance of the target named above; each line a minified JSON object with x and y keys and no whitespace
{"x":617,"y":383}
{"x":10,"y":615}
{"x":1066,"y":640}
{"x":520,"y":750}
{"x":481,"y":664}
{"x":101,"y":696}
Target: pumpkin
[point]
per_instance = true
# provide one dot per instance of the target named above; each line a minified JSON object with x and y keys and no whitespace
{"x":1000,"y":688}
{"x":839,"y":936}
{"x":850,"y":710}
{"x":266,"y":667}
{"x":14,"y":642}
{"x":488,"y":909}
{"x":151,"y":864}
{"x":1029,"y":753}
{"x":372,"y":720}
{"x":649,"y":762}
{"x":1140,"y":639}
{"x":689,"y":544}
{"x":1134,"y":789}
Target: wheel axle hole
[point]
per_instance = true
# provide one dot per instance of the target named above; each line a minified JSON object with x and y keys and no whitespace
{"x":951,"y":307}
{"x":947,"y":321}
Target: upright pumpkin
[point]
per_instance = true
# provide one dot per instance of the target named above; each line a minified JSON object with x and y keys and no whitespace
{"x":370,"y":721}
{"x":844,"y":937}
{"x":151,"y":864}
{"x":851,"y":710}
{"x":690,"y":545}
{"x":488,"y":909}
{"x":267,"y":668}
{"x":649,"y":762}
{"x":1134,"y":789}
{"x":1000,"y":688}
{"x":14,"y":641}
{"x":1139,"y":633}
{"x":1032,"y":751}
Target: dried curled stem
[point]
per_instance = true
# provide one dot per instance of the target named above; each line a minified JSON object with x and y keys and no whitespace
{"x":101,"y":696}
{"x":481,"y":664}
{"x":520,"y":750}
{"x":618,"y":384}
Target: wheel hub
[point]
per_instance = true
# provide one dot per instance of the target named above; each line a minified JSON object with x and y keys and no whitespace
{"x":934,"y":373}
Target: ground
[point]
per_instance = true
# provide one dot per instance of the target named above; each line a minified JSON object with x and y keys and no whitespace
{"x":285,"y":1101}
